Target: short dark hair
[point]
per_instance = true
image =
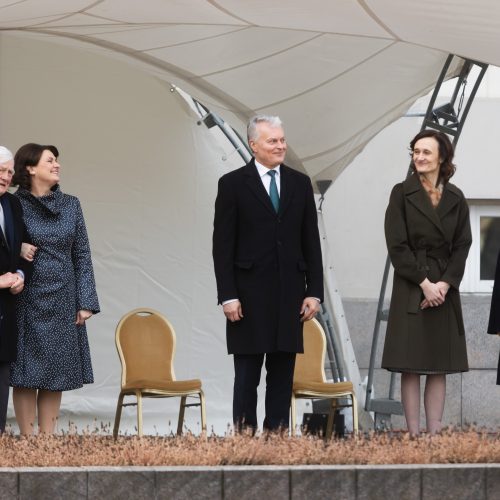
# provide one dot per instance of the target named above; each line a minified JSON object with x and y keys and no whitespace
{"x":446,"y":152}
{"x":28,"y":156}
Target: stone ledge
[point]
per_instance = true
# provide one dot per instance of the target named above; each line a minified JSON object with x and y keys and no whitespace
{"x":360,"y":482}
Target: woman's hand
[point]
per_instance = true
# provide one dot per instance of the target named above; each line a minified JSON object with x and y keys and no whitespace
{"x":434,"y":293}
{"x":28,"y":251}
{"x":444,"y":287}
{"x":82,"y":315}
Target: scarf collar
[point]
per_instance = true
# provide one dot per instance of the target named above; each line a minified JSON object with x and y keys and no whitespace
{"x":50,"y":202}
{"x":434,"y":192}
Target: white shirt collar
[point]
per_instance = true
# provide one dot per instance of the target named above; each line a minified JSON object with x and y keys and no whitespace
{"x":264,"y":170}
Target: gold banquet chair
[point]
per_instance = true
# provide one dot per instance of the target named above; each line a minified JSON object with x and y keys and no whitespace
{"x":309,"y":379}
{"x":145,"y":341}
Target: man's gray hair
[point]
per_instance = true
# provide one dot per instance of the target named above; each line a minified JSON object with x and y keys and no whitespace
{"x":272,"y":121}
{"x":5,"y":155}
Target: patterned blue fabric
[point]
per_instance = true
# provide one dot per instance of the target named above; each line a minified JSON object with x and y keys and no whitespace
{"x":53,"y":352}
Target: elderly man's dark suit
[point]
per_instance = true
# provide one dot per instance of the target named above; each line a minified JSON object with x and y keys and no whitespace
{"x":10,"y":250}
{"x":269,"y":261}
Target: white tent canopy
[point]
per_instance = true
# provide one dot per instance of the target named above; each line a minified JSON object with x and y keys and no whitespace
{"x":337,"y":72}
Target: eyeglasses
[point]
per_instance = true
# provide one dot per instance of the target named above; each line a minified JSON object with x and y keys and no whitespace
{"x":6,"y":170}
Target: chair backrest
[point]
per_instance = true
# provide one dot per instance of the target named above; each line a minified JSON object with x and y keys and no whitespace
{"x":310,"y":366}
{"x":145,"y":341}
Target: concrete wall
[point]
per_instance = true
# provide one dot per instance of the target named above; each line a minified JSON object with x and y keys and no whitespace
{"x":362,"y":482}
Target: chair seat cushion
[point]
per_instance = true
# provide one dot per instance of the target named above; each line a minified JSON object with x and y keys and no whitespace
{"x":179,"y":386}
{"x":323,"y":387}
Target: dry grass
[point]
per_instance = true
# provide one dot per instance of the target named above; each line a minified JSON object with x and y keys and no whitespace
{"x":96,"y":449}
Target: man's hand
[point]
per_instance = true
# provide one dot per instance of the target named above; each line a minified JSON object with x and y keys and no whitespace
{"x":18,"y":285}
{"x":309,"y":308}
{"x":233,"y":311}
{"x":7,"y":280}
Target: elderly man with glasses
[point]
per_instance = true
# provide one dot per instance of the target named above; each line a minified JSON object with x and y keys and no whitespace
{"x":11,"y":277}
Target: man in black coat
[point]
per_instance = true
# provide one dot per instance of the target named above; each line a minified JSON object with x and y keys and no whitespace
{"x":11,"y":277}
{"x":269,"y":273}
{"x":494,"y":320}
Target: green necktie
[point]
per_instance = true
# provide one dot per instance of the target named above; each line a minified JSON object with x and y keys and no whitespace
{"x":273,"y":191}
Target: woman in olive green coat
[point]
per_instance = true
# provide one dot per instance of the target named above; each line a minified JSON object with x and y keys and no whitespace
{"x":428,"y":237}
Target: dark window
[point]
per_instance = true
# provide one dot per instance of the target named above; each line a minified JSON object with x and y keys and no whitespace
{"x":490,"y":244}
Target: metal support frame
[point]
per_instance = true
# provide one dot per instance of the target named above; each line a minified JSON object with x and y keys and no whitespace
{"x":212,"y":119}
{"x":334,"y":360}
{"x":448,"y":118}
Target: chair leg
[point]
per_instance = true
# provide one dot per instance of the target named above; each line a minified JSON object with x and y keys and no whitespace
{"x":293,"y":409}
{"x":331,"y":415}
{"x":354,"y":415}
{"x":138,"y":395}
{"x":118,"y":415}
{"x":203,"y":412}
{"x":181,"y":415}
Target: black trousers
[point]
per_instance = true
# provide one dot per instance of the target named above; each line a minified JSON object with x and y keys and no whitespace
{"x":279,"y":382}
{"x":4,"y":392}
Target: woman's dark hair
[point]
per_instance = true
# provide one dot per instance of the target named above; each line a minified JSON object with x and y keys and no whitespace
{"x":446,"y":153}
{"x":28,"y":156}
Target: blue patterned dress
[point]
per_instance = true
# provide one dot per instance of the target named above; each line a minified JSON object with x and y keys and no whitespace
{"x":53,"y":352}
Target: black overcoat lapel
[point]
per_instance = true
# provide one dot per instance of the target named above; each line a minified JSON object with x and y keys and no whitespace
{"x":3,"y":240}
{"x":254,"y":183}
{"x":7,"y":216}
{"x":286,"y":188}
{"x":451,"y":196}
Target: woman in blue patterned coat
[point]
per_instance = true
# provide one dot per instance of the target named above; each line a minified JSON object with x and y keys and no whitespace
{"x":53,"y":351}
